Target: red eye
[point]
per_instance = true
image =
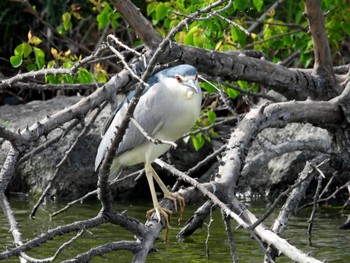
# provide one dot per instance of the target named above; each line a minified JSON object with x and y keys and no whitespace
{"x":179,"y":79}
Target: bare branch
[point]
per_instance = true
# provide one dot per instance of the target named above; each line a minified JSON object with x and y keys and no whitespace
{"x":148,"y":137}
{"x":266,"y":235}
{"x":262,"y":17}
{"x":61,"y":230}
{"x":132,"y":246}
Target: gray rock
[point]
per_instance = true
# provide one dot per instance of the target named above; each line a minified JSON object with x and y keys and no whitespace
{"x":77,"y":176}
{"x":272,"y":177}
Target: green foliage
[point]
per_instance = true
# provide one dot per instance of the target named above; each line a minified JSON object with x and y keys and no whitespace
{"x":282,"y":32}
{"x":32,"y":54}
{"x":29,"y":53}
{"x":67,"y":19}
{"x":106,"y":16}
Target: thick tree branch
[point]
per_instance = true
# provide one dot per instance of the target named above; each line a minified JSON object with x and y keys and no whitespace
{"x":138,"y":22}
{"x":323,"y":61}
{"x":291,"y":83}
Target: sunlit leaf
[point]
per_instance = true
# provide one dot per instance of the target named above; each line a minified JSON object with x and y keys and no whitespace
{"x":67,"y":53}
{"x":16,"y":61}
{"x":23,"y":49}
{"x":113,"y":18}
{"x":100,"y":74}
{"x":103,"y":17}
{"x":258,"y":4}
{"x":52,"y":79}
{"x":198,"y":141}
{"x":84,"y":76}
{"x":54,"y":52}
{"x":232,"y":93}
{"x":161,"y":11}
{"x":66,"y":20}
{"x":67,"y":64}
{"x":34,"y":40}
{"x":68,"y":79}
{"x":208,"y":87}
{"x":243,"y":84}
{"x":198,"y":40}
{"x":211,"y":116}
{"x":39,"y":57}
{"x":151,"y":7}
{"x":238,"y":36}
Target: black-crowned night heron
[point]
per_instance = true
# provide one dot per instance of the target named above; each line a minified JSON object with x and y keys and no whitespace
{"x":168,"y":108}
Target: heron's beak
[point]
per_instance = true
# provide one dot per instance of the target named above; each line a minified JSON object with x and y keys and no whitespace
{"x":192,"y":85}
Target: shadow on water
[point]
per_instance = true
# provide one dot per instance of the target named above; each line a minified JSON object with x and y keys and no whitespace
{"x":328,"y":242}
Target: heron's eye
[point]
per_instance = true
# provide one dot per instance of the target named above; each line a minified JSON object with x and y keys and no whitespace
{"x":179,"y":79}
{"x":196,"y":78}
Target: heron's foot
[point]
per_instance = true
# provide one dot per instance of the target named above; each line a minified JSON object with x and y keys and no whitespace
{"x":166,"y":213}
{"x":176,"y":198}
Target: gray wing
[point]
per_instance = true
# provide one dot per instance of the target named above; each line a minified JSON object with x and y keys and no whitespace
{"x":146,"y":114}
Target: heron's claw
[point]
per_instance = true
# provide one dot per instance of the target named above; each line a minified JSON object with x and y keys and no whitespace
{"x":159,"y":211}
{"x":176,"y":198}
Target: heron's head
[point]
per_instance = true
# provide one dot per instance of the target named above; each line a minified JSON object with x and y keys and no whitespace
{"x":185,"y":75}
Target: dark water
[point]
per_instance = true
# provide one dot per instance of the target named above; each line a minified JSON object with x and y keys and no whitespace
{"x":328,"y":242}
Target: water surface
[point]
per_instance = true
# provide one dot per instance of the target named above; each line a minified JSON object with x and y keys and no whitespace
{"x":328,"y":242}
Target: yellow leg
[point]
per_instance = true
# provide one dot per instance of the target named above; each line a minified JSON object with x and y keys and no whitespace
{"x":156,"y":206}
{"x":175,"y":197}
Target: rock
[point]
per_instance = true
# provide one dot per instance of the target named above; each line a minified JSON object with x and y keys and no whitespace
{"x":77,"y":176}
{"x":274,"y":176}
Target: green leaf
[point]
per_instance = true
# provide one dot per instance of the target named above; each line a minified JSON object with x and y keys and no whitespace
{"x":60,"y":29}
{"x":211,"y":116}
{"x":238,"y":36}
{"x":198,"y":141}
{"x":161,"y":11}
{"x":67,"y":64}
{"x":84,"y":76}
{"x":34,"y":40}
{"x":151,"y":7}
{"x":68,"y":79}
{"x":52,"y":79}
{"x":173,"y":23}
{"x":39,"y":57}
{"x":19,"y":50}
{"x":232,"y":93}
{"x":23,"y":49}
{"x":113,"y":17}
{"x":66,"y":20}
{"x":16,"y":61}
{"x":188,"y":40}
{"x":243,"y":84}
{"x":103,"y":17}
{"x":258,"y":4}
{"x":240,"y":4}
{"x":198,"y":40}
{"x":208,"y":87}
